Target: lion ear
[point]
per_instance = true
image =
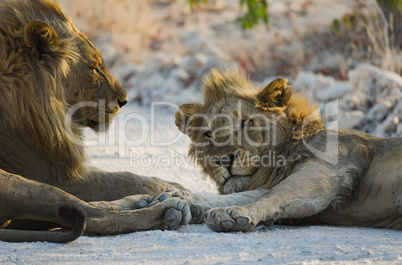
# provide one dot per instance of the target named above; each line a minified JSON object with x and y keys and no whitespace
{"x":276,"y":94}
{"x":40,"y":38}
{"x":184,"y":114}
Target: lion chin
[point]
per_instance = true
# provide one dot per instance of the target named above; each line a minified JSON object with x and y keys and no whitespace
{"x":98,"y":124}
{"x":97,"y":121}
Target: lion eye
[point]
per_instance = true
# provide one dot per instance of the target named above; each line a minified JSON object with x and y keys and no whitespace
{"x":246,"y":123}
{"x":208,"y":134}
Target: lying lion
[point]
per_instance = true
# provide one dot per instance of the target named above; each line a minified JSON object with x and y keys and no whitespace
{"x":270,"y":152}
{"x":52,"y":82}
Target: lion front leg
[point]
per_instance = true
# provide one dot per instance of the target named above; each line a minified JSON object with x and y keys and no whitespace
{"x":169,"y":214}
{"x":100,"y":185}
{"x":309,"y":190}
{"x":132,"y":202}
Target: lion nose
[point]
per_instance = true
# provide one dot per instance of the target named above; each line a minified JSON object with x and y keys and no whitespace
{"x":227,"y":160}
{"x":121,"y":103}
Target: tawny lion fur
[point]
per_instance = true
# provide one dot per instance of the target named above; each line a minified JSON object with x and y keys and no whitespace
{"x":270,"y":153}
{"x":48,"y":67}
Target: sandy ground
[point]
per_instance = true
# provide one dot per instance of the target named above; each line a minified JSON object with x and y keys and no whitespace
{"x":196,"y":244}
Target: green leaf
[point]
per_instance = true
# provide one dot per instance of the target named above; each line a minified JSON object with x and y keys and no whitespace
{"x":256,"y":10}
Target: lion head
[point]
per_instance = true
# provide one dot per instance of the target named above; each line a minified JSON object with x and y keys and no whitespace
{"x":238,"y":128}
{"x":84,"y":78}
{"x":53,"y":80}
{"x":89,"y":81}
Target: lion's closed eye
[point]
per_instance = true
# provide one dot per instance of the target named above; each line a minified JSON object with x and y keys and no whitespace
{"x":208,"y":135}
{"x":247,"y":123}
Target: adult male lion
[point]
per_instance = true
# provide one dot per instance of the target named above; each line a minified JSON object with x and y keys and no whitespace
{"x":272,"y":147}
{"x":47,"y":67}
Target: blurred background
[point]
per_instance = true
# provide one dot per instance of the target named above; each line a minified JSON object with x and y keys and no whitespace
{"x":348,"y":51}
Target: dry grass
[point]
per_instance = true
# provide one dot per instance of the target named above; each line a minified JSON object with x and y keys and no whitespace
{"x":384,"y":50}
{"x":131,"y":25}
{"x":97,"y":17}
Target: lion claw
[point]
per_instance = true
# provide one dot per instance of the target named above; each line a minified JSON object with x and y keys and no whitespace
{"x":163,"y":197}
{"x":141,"y":204}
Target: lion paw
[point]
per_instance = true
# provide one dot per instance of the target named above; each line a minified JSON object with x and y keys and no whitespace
{"x":177,"y":214}
{"x":196,"y":211}
{"x":229,"y":219}
{"x":172,"y":192}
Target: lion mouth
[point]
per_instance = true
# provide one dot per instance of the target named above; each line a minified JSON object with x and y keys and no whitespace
{"x":94,"y":119}
{"x":236,"y":183}
{"x":229,"y":177}
{"x":237,"y":173}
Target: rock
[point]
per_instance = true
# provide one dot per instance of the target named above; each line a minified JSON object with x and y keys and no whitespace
{"x":367,"y":78}
{"x":357,"y":100}
{"x":378,"y":112}
{"x":398,"y":110}
{"x":350,"y":120}
{"x":124,"y":72}
{"x":389,"y":79}
{"x":310,"y":82}
{"x":334,"y":91}
{"x":180,"y":75}
{"x":394,"y":95}
{"x":379,"y":95}
{"x":194,"y":63}
{"x":399,"y":129}
{"x":194,"y":42}
{"x":163,"y":62}
{"x":147,"y":86}
{"x":326,"y":62}
{"x":387,"y":126}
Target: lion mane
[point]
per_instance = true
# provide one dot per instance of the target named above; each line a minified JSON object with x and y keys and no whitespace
{"x":32,"y":100}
